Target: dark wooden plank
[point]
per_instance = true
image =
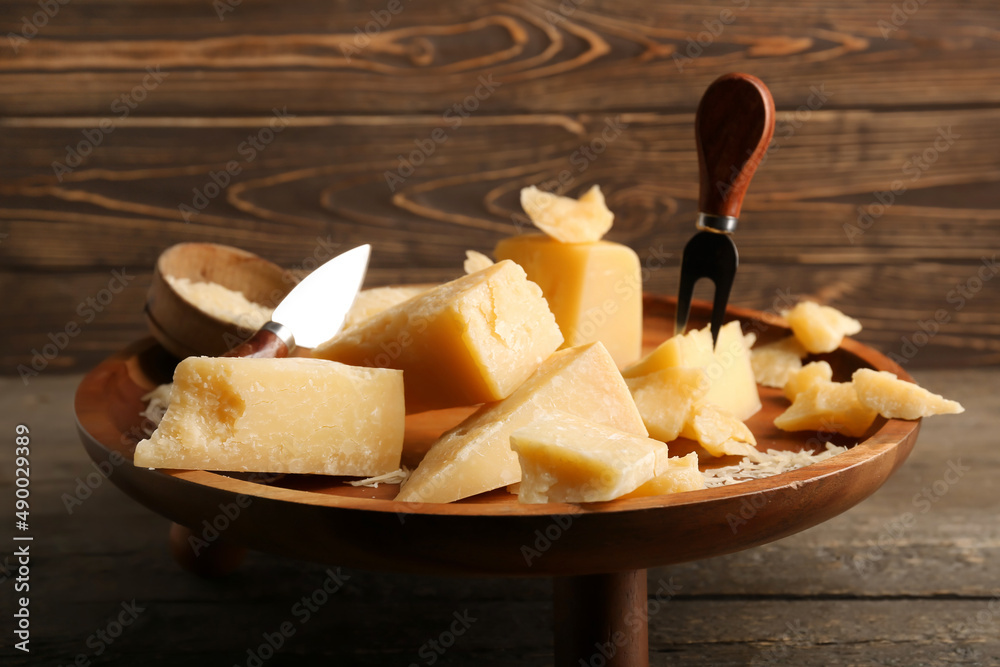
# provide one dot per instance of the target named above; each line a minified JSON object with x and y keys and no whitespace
{"x":548,"y":56}
{"x":321,"y":186}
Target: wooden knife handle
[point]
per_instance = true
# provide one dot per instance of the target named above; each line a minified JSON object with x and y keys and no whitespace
{"x":733,"y":127}
{"x":263,"y":344}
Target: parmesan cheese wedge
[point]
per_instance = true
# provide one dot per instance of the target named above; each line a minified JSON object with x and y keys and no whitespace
{"x":594,"y":289}
{"x":279,"y":415}
{"x":473,"y":340}
{"x":476,"y":261}
{"x":566,"y":459}
{"x":897,"y":399}
{"x":719,"y":432}
{"x":475,"y":456}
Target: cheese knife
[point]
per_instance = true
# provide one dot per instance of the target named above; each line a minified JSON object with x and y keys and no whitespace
{"x":314,"y":311}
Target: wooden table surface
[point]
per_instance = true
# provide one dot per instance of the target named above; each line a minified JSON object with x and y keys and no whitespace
{"x":902,"y":579}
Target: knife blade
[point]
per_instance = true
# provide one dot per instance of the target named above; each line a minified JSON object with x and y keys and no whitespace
{"x":314,"y":311}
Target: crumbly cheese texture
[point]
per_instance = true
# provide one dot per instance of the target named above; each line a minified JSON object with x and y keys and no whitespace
{"x":371,"y":302}
{"x":473,"y":340}
{"x":680,"y":473}
{"x":897,"y":399}
{"x":666,"y":397}
{"x":815,"y":372}
{"x":769,"y":463}
{"x":583,"y":220}
{"x":475,"y":456}
{"x":221,"y":302}
{"x":730,"y":372}
{"x":719,"y":432}
{"x":830,"y":407}
{"x":820,"y":328}
{"x":566,"y":459}
{"x":594,"y":289}
{"x":279,"y":415}
{"x":775,"y":362}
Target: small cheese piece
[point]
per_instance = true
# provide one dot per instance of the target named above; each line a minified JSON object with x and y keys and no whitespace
{"x":680,"y":474}
{"x":829,"y":407}
{"x":279,"y":415}
{"x":897,"y":399}
{"x":665,"y":399}
{"x":728,"y":367}
{"x":473,"y":340}
{"x":475,"y":456}
{"x":775,"y":362}
{"x":222,"y":303}
{"x":565,"y":459}
{"x":594,"y":289}
{"x":371,"y":302}
{"x":719,"y":432}
{"x":583,"y":220}
{"x":820,"y":328}
{"x":476,"y":261}
{"x":815,"y":372}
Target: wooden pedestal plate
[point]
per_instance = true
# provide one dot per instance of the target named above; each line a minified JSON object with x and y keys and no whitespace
{"x":597,"y":554}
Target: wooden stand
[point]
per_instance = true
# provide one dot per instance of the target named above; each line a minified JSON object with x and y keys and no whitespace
{"x":219,"y":558}
{"x":600,"y":620}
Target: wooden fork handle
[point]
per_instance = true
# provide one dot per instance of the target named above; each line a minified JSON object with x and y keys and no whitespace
{"x":733,"y":127}
{"x":271,"y":341}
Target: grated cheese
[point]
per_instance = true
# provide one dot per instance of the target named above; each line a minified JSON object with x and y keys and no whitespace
{"x":222,"y":303}
{"x":773,"y":462}
{"x":394,"y":477}
{"x":159,"y":400}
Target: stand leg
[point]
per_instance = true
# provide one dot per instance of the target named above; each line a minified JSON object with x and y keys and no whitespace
{"x":601,"y":620}
{"x":217,"y":558}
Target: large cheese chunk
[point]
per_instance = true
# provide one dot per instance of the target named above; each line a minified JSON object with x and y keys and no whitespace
{"x":594,"y":289}
{"x":665,"y":399}
{"x":279,"y":415}
{"x":371,"y":302}
{"x":475,"y":456}
{"x":680,"y":473}
{"x":473,"y":340}
{"x":728,"y":366}
{"x":565,"y":459}
{"x":897,"y":399}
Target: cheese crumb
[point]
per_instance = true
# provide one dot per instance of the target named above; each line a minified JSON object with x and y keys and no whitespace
{"x":158,"y":401}
{"x":476,"y":261}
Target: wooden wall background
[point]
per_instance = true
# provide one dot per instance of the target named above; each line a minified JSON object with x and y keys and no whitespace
{"x":883,"y":85}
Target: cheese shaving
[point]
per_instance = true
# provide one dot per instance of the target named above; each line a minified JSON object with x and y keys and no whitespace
{"x":394,"y":477}
{"x":158,"y":401}
{"x":773,"y":462}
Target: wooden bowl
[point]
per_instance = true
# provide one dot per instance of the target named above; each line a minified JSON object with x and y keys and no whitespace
{"x":322,"y":519}
{"x":181,"y":326}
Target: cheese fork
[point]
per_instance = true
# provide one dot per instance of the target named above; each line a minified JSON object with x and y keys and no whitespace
{"x":733,"y":127}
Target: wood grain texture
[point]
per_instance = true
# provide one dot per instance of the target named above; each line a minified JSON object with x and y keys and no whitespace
{"x":797,"y":601}
{"x":499,"y":95}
